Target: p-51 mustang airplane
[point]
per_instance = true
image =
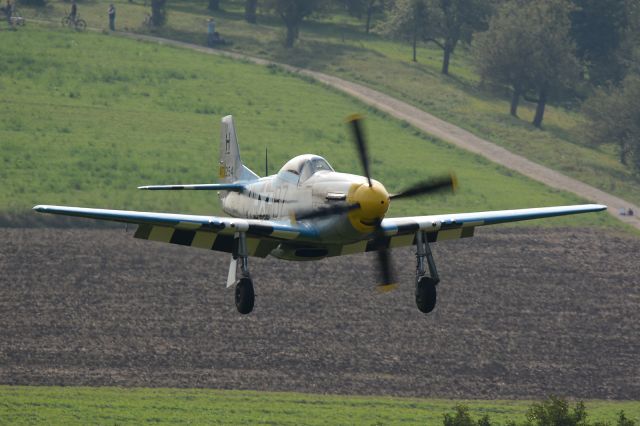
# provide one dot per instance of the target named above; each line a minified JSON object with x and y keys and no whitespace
{"x":308,"y":211}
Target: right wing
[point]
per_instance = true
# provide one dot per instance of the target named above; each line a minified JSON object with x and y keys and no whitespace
{"x":207,"y":232}
{"x":461,"y":225}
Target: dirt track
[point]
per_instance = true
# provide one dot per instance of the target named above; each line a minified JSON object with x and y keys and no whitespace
{"x":519,"y":316}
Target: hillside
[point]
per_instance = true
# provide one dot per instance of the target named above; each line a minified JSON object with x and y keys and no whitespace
{"x":337,"y":45}
{"x":85,"y":118}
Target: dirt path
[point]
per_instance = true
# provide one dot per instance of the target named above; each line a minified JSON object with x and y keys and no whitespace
{"x":440,"y":129}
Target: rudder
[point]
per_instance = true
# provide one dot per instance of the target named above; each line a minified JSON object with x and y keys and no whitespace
{"x":231,"y":168}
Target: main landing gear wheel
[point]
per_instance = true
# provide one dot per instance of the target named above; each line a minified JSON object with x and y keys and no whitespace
{"x":426,"y":294}
{"x":245,"y":296}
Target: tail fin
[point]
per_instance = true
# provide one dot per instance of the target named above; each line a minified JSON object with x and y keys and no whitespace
{"x":231,"y":167}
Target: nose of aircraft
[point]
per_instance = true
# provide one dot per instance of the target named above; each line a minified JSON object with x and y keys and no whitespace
{"x":374,"y":203}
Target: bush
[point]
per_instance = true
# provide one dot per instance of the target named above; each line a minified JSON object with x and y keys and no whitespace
{"x":553,"y":411}
{"x":463,"y":418}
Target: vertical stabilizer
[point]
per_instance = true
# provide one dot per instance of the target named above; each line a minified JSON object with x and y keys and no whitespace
{"x":231,"y":168}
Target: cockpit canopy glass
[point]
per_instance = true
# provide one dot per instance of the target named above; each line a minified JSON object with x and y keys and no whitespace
{"x":305,"y":166}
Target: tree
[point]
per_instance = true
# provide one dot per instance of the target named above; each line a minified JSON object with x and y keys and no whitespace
{"x":629,"y":51}
{"x":366,"y":8}
{"x":528,"y":48}
{"x":293,"y":13}
{"x":158,"y":12}
{"x":455,"y":21}
{"x":614,"y":114}
{"x":408,"y":20}
{"x":250,"y":7}
{"x":214,"y":5}
{"x":598,"y":27}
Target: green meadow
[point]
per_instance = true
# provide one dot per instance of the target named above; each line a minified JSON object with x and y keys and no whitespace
{"x":86,"y":118}
{"x":335,"y":43}
{"x":109,"y":405}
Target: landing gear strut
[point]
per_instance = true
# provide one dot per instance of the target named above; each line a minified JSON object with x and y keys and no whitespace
{"x":425,"y":285}
{"x":245,"y":296}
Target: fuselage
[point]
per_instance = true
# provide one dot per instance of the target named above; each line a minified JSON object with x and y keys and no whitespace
{"x":307,"y":183}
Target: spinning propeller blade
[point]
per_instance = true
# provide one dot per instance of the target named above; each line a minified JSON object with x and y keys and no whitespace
{"x":441,"y":183}
{"x":327,"y":211}
{"x":358,"y":136}
{"x":384,"y":261}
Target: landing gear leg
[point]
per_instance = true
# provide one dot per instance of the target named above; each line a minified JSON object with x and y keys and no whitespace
{"x":425,"y":284}
{"x":245,"y":296}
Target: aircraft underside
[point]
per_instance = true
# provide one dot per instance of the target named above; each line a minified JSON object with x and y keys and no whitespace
{"x":426,"y":279}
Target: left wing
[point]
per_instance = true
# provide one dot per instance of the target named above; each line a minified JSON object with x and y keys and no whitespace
{"x":461,"y":225}
{"x":208,"y":232}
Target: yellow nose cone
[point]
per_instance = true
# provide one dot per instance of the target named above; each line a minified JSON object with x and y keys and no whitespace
{"x":374,"y":203}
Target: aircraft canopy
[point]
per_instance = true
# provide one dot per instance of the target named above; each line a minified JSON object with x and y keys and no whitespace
{"x":304,"y":166}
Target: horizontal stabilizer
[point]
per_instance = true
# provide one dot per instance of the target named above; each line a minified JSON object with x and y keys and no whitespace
{"x":236,"y":187}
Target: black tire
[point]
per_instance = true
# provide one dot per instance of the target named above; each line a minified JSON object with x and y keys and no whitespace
{"x":66,"y":21}
{"x":245,"y":296}
{"x":426,"y":294}
{"x":81,"y":25}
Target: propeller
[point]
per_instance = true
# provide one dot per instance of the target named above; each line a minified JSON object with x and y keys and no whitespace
{"x":434,"y":185}
{"x":327,"y":211}
{"x":438,"y":184}
{"x":355,"y":120}
{"x":376,"y":192}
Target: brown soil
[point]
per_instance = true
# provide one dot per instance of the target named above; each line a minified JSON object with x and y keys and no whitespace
{"x":522,"y":313}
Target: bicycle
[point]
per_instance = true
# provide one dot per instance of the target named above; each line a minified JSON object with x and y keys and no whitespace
{"x":79,"y":24}
{"x":17,"y":19}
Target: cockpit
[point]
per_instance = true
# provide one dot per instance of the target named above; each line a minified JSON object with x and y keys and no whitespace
{"x":302,"y":167}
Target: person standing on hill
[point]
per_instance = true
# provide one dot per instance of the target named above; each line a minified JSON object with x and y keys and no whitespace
{"x":112,"y":17}
{"x":8,"y":10}
{"x":74,"y":11}
{"x":211,"y":30}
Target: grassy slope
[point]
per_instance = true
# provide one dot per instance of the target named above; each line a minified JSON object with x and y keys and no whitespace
{"x":85,"y":118}
{"x":337,"y":45}
{"x":77,"y":405}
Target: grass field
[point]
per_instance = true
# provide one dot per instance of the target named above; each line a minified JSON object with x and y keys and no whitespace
{"x":80,"y":405}
{"x":85,"y":118}
{"x":337,"y":44}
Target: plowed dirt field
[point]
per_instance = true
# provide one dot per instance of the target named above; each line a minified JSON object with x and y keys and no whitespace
{"x":522,"y":313}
